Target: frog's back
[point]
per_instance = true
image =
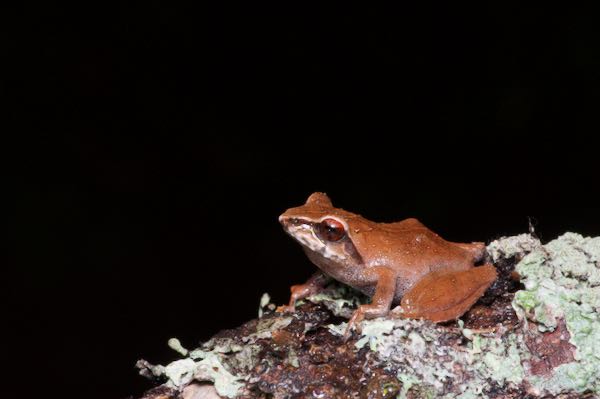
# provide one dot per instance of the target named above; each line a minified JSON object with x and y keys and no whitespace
{"x":407,"y":224}
{"x":412,"y":251}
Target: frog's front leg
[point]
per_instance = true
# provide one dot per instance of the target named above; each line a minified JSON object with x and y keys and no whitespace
{"x":313,"y":285}
{"x":382,"y":299}
{"x":442,"y":296}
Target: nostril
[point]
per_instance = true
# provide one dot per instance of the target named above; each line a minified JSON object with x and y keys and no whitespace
{"x":288,"y":221}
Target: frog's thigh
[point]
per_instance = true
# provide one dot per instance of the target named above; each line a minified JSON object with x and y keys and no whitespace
{"x":442,"y":296}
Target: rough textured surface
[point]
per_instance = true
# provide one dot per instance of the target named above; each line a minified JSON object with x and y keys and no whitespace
{"x":562,"y":287}
{"x":533,"y":338}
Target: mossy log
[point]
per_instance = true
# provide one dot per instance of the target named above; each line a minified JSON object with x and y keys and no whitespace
{"x":535,"y":333}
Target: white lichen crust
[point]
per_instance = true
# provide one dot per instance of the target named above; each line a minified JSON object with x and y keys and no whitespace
{"x":562,"y":282}
{"x":440,"y":363}
{"x":210,"y":362}
{"x":508,"y":247}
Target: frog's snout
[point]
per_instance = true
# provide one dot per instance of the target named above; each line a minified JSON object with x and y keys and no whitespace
{"x":287,"y":221}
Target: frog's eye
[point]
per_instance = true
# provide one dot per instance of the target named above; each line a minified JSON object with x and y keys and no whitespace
{"x":330,"y":230}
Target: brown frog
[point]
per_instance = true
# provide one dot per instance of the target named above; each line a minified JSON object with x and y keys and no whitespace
{"x":402,"y":262}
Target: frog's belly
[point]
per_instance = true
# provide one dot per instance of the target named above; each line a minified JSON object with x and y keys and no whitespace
{"x":369,"y":290}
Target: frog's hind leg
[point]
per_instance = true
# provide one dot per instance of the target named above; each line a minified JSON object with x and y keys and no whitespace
{"x":441,"y":296}
{"x":475,"y":249}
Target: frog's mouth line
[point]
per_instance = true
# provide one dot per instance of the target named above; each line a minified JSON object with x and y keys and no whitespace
{"x":303,"y":231}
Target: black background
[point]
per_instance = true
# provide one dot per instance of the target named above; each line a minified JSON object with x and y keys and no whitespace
{"x":162,"y":140}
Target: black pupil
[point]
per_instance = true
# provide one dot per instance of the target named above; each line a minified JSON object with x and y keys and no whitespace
{"x":331,"y":230}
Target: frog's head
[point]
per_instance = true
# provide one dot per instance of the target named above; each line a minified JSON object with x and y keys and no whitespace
{"x":323,"y":231}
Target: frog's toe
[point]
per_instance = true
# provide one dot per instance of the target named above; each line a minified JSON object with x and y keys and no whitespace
{"x":285,"y":309}
{"x":354,"y":323}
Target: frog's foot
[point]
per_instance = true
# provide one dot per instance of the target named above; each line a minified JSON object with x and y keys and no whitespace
{"x":365,"y":312}
{"x":300,"y":291}
{"x":443,"y":296}
{"x":285,"y":309}
{"x":381,"y":301}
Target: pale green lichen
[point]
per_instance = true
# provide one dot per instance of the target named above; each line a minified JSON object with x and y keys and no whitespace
{"x":219,"y":345}
{"x":501,"y":358}
{"x":507,"y":247}
{"x":413,"y":348}
{"x":470,"y":392}
{"x":292,"y":358}
{"x":212,"y":369}
{"x":176,"y":346}
{"x":338,"y":329}
{"x":341,"y":300}
{"x":150,"y":370}
{"x":467,"y":332}
{"x":180,"y":372}
{"x":566,"y":377}
{"x":247,"y":358}
{"x":408,"y":381}
{"x":561,"y":283}
{"x":265,"y":328}
{"x":265,"y":299}
{"x":373,"y":331}
{"x":214,"y":360}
